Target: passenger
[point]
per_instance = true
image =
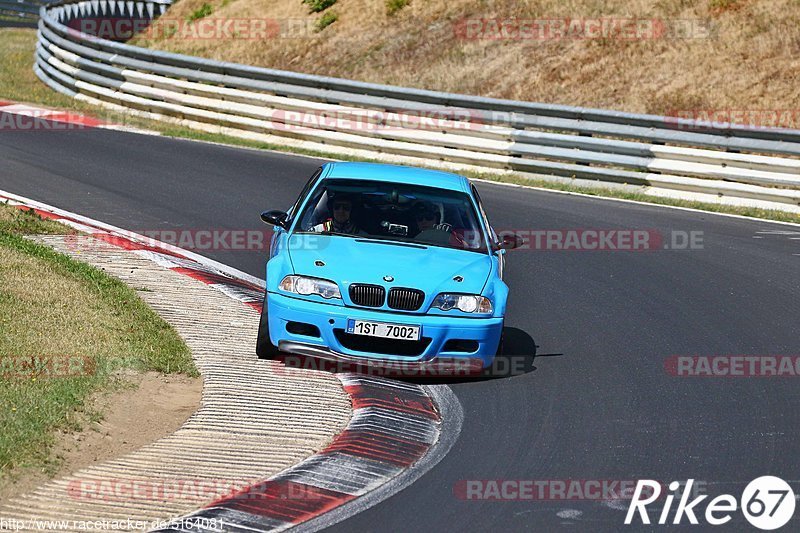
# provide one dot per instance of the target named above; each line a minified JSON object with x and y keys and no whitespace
{"x":431,"y":228}
{"x":434,"y":230}
{"x":426,"y":216}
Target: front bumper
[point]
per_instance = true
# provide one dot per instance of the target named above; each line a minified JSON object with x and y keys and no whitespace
{"x":328,"y":318}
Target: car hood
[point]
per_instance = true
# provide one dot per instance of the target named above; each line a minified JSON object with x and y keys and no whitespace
{"x":354,"y":260}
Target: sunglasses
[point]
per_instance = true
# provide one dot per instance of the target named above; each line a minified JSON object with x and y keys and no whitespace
{"x":425,"y":216}
{"x":341,"y":207}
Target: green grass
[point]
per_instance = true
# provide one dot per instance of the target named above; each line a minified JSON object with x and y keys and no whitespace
{"x":201,"y":12}
{"x":55,"y":314}
{"x":393,"y":6}
{"x":17,"y":64}
{"x":28,"y":222}
{"x":326,"y":20}
{"x":315,"y":6}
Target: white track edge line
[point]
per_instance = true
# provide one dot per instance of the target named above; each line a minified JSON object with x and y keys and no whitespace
{"x":450,"y":409}
{"x":452,"y":416}
{"x":233,"y":272}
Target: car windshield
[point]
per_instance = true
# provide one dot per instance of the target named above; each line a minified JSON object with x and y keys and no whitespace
{"x":394,"y":212}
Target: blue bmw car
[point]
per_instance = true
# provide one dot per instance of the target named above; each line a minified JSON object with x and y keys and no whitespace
{"x":384,"y":264}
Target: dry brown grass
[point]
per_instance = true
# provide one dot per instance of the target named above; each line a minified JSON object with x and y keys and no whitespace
{"x":18,"y":82}
{"x":43,"y":320}
{"x":751,"y":62}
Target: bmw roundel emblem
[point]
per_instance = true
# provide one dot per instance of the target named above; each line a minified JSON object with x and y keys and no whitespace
{"x":388,"y":279}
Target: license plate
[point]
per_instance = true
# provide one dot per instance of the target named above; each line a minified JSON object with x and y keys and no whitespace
{"x":384,"y":330}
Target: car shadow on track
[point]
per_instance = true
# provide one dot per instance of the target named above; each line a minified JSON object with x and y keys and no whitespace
{"x":516,"y":358}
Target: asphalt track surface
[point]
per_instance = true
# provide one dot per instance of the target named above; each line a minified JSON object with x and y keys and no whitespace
{"x":596,"y":403}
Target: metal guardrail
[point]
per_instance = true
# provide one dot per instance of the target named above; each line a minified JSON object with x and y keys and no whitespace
{"x":23,"y":13}
{"x":610,"y":146}
{"x":19,"y":7}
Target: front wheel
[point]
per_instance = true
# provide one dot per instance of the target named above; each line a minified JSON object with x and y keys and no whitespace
{"x":264,"y":347}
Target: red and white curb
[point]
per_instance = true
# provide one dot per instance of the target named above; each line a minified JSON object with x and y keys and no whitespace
{"x":24,"y":117}
{"x":397,"y":432}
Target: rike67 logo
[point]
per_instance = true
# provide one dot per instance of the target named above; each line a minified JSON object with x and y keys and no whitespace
{"x":767,"y":503}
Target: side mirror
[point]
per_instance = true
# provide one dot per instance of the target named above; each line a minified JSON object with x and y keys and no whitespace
{"x":509,"y":242}
{"x":275,"y":218}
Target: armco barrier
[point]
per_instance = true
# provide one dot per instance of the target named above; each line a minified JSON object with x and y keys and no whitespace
{"x":591,"y":144}
{"x":20,"y":12}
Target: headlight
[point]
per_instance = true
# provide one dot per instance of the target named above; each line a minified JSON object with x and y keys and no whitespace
{"x":306,"y":286}
{"x":468,"y":303}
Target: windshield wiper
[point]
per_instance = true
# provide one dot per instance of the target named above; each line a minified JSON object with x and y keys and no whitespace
{"x":332,"y":233}
{"x":377,"y":240}
{"x":309,"y":232}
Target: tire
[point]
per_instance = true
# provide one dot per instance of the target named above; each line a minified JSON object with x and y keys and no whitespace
{"x":264,"y":347}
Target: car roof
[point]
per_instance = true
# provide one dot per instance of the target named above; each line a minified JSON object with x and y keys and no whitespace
{"x":397,"y":174}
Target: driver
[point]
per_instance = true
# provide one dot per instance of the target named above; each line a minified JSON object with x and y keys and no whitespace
{"x":341,"y":208}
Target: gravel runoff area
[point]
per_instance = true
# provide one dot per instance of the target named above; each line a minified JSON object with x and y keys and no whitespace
{"x":256,"y":417}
